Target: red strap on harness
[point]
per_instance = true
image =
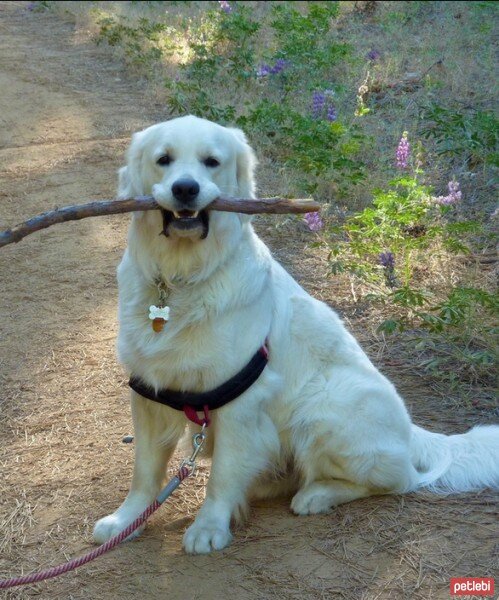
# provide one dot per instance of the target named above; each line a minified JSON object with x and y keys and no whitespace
{"x":191,"y":412}
{"x":192,"y":415}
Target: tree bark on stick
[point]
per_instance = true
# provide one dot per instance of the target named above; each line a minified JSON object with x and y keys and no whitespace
{"x":113,"y":207}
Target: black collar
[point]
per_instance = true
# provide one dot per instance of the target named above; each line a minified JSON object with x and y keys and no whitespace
{"x":213,"y":399}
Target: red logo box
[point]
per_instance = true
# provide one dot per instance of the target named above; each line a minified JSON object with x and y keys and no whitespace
{"x":471,"y":586}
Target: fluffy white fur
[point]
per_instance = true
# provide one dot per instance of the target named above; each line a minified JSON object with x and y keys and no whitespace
{"x":321,"y":422}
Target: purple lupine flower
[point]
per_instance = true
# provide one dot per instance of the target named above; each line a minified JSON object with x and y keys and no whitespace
{"x":331,"y":113}
{"x":314,"y":221}
{"x":454,"y":190}
{"x":387,"y":261}
{"x":263,"y":70}
{"x":373,"y":55}
{"x":225,"y":6}
{"x":318,"y":103}
{"x":31,"y":6}
{"x":452,"y":197}
{"x":322,"y":105}
{"x":279,"y":66}
{"x":403,"y":152}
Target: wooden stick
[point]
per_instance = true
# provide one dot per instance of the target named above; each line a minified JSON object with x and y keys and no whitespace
{"x":113,"y":207}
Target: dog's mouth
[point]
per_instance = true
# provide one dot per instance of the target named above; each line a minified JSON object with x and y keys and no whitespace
{"x":186,"y":223}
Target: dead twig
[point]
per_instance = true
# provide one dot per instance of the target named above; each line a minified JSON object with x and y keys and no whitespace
{"x":113,"y":207}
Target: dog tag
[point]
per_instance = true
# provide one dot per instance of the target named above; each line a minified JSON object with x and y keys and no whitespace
{"x":159,"y":315}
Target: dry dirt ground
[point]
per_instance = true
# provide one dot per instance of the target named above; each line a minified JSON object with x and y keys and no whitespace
{"x":66,"y":112}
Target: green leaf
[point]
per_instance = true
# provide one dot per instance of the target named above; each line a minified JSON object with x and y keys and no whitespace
{"x":389,"y":326}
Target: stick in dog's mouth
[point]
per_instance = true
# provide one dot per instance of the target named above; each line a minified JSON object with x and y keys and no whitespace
{"x":246,"y":206}
{"x":185,"y":222}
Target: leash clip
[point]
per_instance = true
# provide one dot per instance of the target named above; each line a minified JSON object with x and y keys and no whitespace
{"x":197,"y":443}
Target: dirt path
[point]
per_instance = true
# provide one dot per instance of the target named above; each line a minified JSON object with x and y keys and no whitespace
{"x":66,"y":113}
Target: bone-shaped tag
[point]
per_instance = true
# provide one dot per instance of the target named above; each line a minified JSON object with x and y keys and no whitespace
{"x":159,"y":315}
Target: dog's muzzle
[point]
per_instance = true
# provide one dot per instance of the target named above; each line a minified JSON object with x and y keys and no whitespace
{"x":185,"y":223}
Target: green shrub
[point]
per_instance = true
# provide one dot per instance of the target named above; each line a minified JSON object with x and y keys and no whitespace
{"x":144,"y":44}
{"x":383,"y":248}
{"x":469,"y":133}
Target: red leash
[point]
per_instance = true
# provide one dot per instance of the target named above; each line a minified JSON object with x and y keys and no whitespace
{"x":109,"y":545}
{"x":186,"y":469}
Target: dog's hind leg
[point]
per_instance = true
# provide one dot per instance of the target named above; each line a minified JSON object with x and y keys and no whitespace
{"x":321,"y":496}
{"x":157,"y":430}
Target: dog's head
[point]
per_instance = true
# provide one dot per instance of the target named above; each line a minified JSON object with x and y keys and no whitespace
{"x":185,"y":164}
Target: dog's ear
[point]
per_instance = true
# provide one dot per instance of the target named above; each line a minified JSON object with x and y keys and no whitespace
{"x":246,"y":163}
{"x":129,"y":177}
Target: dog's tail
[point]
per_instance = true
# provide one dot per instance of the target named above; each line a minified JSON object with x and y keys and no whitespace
{"x":456,"y":463}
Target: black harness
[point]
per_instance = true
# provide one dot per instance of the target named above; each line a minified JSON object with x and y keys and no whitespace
{"x":206,"y":401}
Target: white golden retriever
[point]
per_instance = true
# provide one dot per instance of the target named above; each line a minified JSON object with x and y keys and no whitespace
{"x":320,"y":422}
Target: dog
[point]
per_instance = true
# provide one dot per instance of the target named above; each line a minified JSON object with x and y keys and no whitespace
{"x":319,"y":422}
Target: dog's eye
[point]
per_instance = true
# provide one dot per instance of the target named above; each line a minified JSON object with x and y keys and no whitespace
{"x":164,"y":160}
{"x":211,"y":162}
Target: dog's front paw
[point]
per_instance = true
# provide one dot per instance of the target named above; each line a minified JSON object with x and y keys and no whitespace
{"x":111,"y":525}
{"x":202,"y":538}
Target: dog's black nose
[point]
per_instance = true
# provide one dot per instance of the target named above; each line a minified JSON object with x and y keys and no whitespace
{"x":185,"y":190}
